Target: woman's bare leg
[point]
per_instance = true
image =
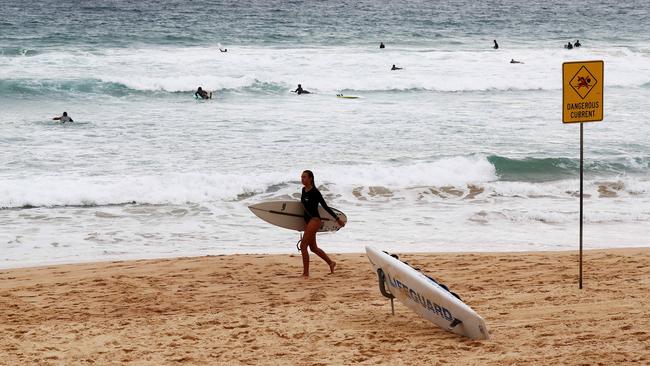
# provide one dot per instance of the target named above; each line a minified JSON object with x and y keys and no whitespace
{"x":308,"y":238}
{"x":320,"y":252}
{"x":324,"y":256}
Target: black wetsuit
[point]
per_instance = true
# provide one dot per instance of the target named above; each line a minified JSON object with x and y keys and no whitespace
{"x":310,"y":200}
{"x":202,"y":94}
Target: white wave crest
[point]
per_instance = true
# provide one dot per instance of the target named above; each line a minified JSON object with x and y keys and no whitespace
{"x":163,"y":189}
{"x":455,"y":178}
{"x":328,"y":70}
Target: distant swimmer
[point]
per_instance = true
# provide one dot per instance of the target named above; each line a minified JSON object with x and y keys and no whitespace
{"x":64,"y":118}
{"x":395,"y":68}
{"x":223,"y":49}
{"x":568,"y":46}
{"x":200,"y":93}
{"x":513,"y":61}
{"x":577,"y":44}
{"x":300,"y":90}
{"x":381,"y":45}
{"x":496,"y":45}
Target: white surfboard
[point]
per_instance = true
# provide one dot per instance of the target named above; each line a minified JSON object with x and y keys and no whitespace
{"x":290,"y":215}
{"x":426,"y":297}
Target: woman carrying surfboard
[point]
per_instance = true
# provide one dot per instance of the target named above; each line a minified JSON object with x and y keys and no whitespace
{"x":311,"y":198}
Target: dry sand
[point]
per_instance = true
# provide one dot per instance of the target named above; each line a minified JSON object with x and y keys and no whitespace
{"x":257,"y":310}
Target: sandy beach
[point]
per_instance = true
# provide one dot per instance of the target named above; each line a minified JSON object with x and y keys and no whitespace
{"x":257,"y":310}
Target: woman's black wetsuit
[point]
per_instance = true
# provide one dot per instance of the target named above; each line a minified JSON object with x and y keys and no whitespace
{"x":310,"y":200}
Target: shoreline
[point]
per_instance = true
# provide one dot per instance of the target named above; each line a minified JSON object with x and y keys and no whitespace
{"x":137,"y":258}
{"x":256,"y":309}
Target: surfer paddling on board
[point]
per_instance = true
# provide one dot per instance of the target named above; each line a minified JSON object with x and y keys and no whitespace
{"x":64,"y":118}
{"x":310,"y":199}
{"x":200,"y":93}
{"x":300,"y":90}
{"x":395,"y":68}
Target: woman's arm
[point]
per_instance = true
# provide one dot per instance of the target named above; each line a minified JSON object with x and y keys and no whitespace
{"x":321,"y":200}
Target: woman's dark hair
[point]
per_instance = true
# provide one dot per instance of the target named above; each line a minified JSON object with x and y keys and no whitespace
{"x":311,"y":175}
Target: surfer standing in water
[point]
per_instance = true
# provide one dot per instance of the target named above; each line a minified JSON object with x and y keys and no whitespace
{"x":310,"y":199}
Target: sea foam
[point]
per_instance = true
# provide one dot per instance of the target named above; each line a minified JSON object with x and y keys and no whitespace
{"x":321,"y":70}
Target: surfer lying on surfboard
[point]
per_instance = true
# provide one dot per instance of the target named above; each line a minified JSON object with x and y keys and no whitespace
{"x":310,"y":199}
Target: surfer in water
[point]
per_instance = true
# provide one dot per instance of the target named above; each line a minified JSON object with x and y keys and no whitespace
{"x":395,"y":68}
{"x":200,"y":93}
{"x":64,"y":118}
{"x":310,"y":199}
{"x":496,"y":45}
{"x":300,"y":90}
{"x":513,"y":61}
{"x":381,"y":45}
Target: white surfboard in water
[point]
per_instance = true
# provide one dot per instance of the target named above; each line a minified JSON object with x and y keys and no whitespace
{"x":425,"y":296}
{"x":290,"y":215}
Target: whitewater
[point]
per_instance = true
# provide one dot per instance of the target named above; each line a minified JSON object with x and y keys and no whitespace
{"x":459,"y":151}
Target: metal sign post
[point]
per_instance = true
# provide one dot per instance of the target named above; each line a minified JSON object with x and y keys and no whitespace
{"x":581,"y":195}
{"x":582,"y":101}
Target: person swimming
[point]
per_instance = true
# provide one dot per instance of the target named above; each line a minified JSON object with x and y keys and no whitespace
{"x":513,"y":61}
{"x":200,"y":93}
{"x":64,"y":118}
{"x":395,"y":68}
{"x":496,"y":45}
{"x":223,"y":49}
{"x":300,"y":90}
{"x":381,"y":45}
{"x":577,"y":44}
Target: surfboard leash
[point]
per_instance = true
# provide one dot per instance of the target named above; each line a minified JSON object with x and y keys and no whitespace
{"x":299,"y":241}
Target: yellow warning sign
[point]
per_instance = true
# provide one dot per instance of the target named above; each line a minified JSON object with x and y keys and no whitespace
{"x":582,"y":91}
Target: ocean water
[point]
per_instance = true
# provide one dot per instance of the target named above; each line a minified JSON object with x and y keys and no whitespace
{"x":459,"y":151}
